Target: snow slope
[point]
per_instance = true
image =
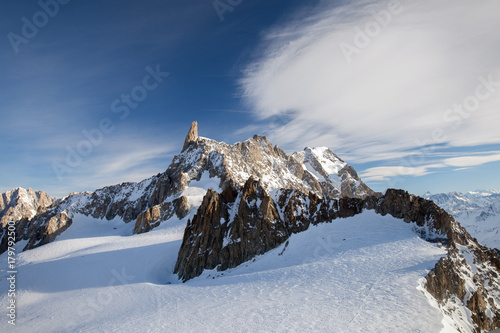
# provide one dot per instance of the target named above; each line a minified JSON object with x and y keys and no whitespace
{"x":356,"y":274}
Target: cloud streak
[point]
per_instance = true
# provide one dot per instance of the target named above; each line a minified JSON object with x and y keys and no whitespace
{"x":385,"y":173}
{"x":121,"y":158}
{"x":412,"y":86}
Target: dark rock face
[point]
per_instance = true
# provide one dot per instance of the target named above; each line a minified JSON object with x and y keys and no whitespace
{"x":226,"y":241}
{"x":50,"y":228}
{"x":468,"y":277}
{"x":153,"y":217}
{"x":255,"y":229}
{"x":444,"y":280}
{"x":39,"y":231}
{"x":410,"y":208}
{"x":203,"y":234}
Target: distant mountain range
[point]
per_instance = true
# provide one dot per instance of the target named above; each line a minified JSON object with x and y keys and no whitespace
{"x":477,"y":211}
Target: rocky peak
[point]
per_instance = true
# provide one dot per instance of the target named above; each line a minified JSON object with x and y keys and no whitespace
{"x":336,"y":178}
{"x":21,"y":203}
{"x":316,"y":170}
{"x":263,"y":196}
{"x":192,"y":135}
{"x":229,"y":229}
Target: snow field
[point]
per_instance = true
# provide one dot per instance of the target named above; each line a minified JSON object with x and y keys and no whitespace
{"x":357,"y":274}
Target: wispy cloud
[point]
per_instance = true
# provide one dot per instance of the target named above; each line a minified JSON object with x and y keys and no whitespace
{"x":120,"y":158}
{"x":429,"y":76}
{"x":385,"y":173}
{"x":468,"y":161}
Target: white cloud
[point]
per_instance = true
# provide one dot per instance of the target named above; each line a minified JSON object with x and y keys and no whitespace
{"x":386,"y":173}
{"x":468,"y":161}
{"x":121,"y":157}
{"x":395,"y":92}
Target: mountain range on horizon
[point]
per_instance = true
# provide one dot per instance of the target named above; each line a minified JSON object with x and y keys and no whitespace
{"x":478,"y":211}
{"x":233,"y":204}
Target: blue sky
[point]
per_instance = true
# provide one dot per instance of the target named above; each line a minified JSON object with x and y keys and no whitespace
{"x":407,"y":92}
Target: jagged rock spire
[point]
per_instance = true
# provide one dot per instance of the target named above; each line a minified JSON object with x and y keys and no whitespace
{"x":192,"y":135}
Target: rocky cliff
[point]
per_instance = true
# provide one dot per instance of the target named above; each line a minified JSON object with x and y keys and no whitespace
{"x":20,"y":206}
{"x":20,"y":203}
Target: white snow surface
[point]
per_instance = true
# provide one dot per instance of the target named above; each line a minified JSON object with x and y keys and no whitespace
{"x":359,"y":274}
{"x":197,"y":189}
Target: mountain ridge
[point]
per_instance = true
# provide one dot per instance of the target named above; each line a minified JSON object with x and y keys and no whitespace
{"x":156,"y":199}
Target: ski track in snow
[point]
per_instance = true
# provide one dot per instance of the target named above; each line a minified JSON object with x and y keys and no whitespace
{"x":355,"y":274}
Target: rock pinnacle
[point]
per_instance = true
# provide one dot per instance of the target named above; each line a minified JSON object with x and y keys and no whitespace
{"x":192,"y":135}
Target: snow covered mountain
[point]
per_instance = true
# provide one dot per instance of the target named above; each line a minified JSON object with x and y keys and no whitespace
{"x":245,"y":237}
{"x":478,"y":211}
{"x":202,"y":164}
{"x":20,"y":203}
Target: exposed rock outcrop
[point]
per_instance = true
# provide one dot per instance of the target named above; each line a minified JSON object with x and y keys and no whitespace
{"x":226,"y":240}
{"x":50,"y":228}
{"x":263,"y":196}
{"x":410,"y":208}
{"x":19,"y":207}
{"x":20,"y":203}
{"x":152,"y":217}
{"x":39,"y":231}
{"x":126,"y":201}
{"x":192,"y":135}
{"x":467,"y":282}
